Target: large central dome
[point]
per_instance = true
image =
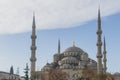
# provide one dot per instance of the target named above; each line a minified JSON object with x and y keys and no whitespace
{"x":72,"y":57}
{"x":73,"y":49}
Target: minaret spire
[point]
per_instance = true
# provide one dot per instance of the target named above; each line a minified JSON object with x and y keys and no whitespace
{"x":104,"y":57}
{"x":59,"y":46}
{"x":99,"y":44}
{"x":33,"y":24}
{"x":33,"y":48}
{"x":99,"y":19}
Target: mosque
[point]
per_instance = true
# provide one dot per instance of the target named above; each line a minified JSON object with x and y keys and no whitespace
{"x":72,"y":60}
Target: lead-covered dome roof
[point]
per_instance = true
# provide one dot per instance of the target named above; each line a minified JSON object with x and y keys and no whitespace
{"x":73,"y":49}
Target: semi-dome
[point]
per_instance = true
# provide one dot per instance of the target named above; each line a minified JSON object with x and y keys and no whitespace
{"x":69,"y":60}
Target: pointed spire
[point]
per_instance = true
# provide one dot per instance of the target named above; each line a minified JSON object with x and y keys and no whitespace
{"x":33,"y":24}
{"x":99,"y":18}
{"x":104,"y":57}
{"x":59,"y":46}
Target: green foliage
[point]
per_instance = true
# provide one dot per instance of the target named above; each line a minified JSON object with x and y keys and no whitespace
{"x":89,"y":74}
{"x":57,"y":74}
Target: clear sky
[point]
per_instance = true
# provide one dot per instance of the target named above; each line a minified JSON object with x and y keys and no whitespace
{"x":75,"y":22}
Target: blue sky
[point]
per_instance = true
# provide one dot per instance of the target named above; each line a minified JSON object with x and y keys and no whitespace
{"x":70,"y":26}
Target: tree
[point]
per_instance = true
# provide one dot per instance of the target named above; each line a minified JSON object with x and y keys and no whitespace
{"x":57,"y":74}
{"x":89,"y":74}
{"x":109,"y":76}
{"x":26,"y":72}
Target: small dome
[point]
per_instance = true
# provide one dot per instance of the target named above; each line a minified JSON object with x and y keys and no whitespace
{"x":92,"y":64}
{"x":47,"y":67}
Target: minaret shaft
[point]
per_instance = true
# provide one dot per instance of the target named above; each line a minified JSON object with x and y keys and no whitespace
{"x":59,"y":46}
{"x":99,"y":44}
{"x":33,"y":49}
{"x":104,"y":57}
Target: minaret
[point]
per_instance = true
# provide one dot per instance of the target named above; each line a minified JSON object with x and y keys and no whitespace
{"x":99,"y":44}
{"x":33,"y":48}
{"x":104,"y":57}
{"x":59,"y":46}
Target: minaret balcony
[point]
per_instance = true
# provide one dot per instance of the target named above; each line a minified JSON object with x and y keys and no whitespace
{"x":33,"y":47}
{"x":32,"y":59}
{"x":99,"y":32}
{"x":104,"y":60}
{"x":99,"y":43}
{"x":33,"y":37}
{"x":99,"y":55}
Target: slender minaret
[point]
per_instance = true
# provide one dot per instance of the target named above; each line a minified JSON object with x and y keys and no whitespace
{"x":59,"y":46}
{"x":99,"y":44}
{"x":33,"y":48}
{"x":104,"y":57}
